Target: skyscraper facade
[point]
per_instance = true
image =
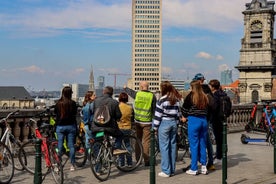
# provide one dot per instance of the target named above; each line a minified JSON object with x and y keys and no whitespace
{"x":226,"y":77}
{"x":146,"y":43}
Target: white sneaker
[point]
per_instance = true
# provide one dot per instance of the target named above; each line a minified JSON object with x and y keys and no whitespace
{"x":204,"y":170}
{"x":164,"y":175}
{"x":191,"y":172}
{"x":218,"y":161}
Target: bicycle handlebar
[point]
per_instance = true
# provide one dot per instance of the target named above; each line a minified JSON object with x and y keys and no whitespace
{"x":8,"y":116}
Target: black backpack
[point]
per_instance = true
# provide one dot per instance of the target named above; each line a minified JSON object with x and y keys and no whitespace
{"x":225,"y":106}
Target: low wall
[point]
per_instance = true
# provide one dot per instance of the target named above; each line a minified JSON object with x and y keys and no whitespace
{"x":236,"y":122}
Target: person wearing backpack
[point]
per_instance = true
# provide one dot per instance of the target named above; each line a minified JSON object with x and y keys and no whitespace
{"x":87,"y":115}
{"x":217,"y":119}
{"x":110,"y":117}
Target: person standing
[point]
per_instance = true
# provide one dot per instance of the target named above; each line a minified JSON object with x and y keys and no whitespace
{"x":194,"y":110}
{"x":66,"y":111}
{"x":125,"y":126}
{"x":206,"y":89}
{"x":87,"y":116}
{"x":217,"y":119}
{"x":144,"y":107}
{"x":166,"y":118}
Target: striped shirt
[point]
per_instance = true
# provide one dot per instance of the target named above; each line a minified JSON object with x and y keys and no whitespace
{"x":164,"y":110}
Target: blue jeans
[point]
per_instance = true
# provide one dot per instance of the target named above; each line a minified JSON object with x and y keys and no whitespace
{"x":197,"y":134}
{"x":118,"y":144}
{"x":69,"y":132}
{"x":167,"y":143}
{"x":88,"y":136}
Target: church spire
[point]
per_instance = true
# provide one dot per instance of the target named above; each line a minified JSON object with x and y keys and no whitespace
{"x":91,"y":80}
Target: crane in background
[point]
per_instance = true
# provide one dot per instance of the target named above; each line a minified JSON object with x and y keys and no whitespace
{"x":115,"y":77}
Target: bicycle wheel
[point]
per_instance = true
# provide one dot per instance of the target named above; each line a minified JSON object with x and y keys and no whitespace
{"x":100,"y":161}
{"x":6,"y":164}
{"x":15,"y":153}
{"x":28,"y":162}
{"x":81,"y":153}
{"x":132,"y":158}
{"x":56,"y":165}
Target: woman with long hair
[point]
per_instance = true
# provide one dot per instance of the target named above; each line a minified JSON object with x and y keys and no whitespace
{"x":166,"y":118}
{"x":66,"y":111}
{"x":87,"y":116}
{"x":194,"y":110}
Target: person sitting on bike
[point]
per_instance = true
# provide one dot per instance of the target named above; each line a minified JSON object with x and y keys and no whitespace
{"x":66,"y":111}
{"x":115,"y":114}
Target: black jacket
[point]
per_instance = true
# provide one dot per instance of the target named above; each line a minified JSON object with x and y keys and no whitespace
{"x":114,"y":111}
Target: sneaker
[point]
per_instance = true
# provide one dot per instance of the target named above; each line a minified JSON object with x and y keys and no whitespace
{"x":72,"y":168}
{"x":164,"y":175}
{"x":191,"y":172}
{"x":119,"y":151}
{"x":204,"y":170}
{"x":217,"y":161}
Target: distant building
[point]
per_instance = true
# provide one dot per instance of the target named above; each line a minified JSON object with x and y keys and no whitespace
{"x":178,"y":84}
{"x":12,"y":97}
{"x":79,"y":91}
{"x":100,"y":82}
{"x":226,"y":77}
{"x":91,"y":80}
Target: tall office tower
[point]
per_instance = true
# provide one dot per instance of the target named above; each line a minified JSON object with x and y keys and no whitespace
{"x":146,"y":43}
{"x":101,"y":82}
{"x":226,"y":77}
{"x":91,"y":80}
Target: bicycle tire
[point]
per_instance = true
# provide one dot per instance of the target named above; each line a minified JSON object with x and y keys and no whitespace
{"x":100,"y":160}
{"x":56,"y":164}
{"x":134,"y":153}
{"x":6,"y":164}
{"x":29,"y":164}
{"x":15,"y":153}
{"x":81,"y":152}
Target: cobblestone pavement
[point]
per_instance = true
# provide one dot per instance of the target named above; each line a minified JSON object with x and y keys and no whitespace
{"x":251,"y":163}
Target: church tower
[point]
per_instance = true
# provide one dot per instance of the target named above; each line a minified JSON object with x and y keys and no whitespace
{"x":257,"y":55}
{"x":91,"y":80}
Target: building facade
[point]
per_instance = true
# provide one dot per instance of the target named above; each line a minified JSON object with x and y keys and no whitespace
{"x":257,"y":54}
{"x":13,"y":97}
{"x":226,"y":77}
{"x":146,"y":43}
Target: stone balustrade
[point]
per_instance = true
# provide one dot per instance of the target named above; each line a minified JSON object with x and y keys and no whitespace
{"x":236,"y":122}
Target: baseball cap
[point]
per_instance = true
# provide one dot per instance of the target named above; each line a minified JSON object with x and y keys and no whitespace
{"x":199,"y":76}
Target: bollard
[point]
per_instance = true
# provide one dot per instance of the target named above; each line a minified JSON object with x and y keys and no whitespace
{"x":152,"y":157}
{"x":38,"y":173}
{"x":224,"y":151}
{"x":274,"y":141}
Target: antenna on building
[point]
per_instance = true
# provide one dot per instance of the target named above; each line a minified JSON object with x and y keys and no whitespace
{"x":91,"y":80}
{"x":115,"y":77}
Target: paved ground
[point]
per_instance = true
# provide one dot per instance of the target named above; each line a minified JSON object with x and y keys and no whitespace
{"x":251,"y":163}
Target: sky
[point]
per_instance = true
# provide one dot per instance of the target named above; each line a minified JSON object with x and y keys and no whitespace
{"x":45,"y":43}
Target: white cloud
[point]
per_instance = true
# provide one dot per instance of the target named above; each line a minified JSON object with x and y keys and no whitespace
{"x":219,"y":57}
{"x":223,"y":67}
{"x":204,"y":55}
{"x":96,"y":16}
{"x":32,"y":69}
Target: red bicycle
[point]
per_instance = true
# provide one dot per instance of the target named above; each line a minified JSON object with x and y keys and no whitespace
{"x":51,"y":162}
